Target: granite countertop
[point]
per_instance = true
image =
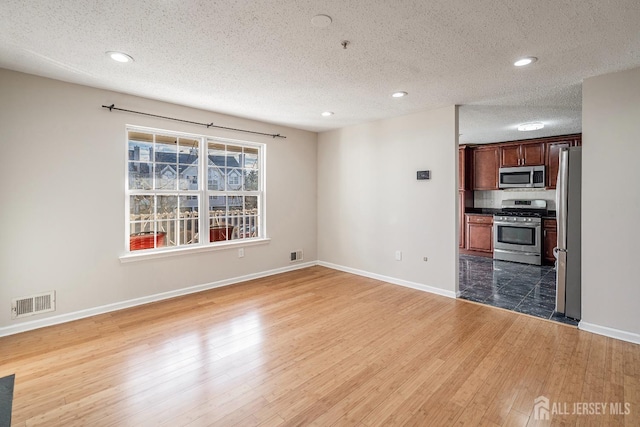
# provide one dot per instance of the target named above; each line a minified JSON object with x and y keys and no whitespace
{"x":481,"y":211}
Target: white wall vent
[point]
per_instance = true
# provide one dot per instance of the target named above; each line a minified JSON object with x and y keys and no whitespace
{"x":296,"y":256}
{"x":35,"y":304}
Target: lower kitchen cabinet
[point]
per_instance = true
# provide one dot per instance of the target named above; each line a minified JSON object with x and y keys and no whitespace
{"x":550,"y":240}
{"x":465,"y":200}
{"x":479,"y":232}
{"x":461,"y":219}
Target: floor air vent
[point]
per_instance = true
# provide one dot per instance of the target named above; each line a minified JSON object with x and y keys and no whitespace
{"x":296,"y":256}
{"x":35,"y":304}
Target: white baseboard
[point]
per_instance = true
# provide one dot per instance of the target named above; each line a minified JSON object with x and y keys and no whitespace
{"x":610,"y":332}
{"x":76,"y":315}
{"x":392,"y":280}
{"x":69,"y":317}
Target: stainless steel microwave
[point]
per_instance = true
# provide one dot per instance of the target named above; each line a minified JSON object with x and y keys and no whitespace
{"x":521,"y":177}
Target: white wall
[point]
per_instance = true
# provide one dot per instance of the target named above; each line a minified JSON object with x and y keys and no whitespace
{"x":370,"y":203}
{"x":611,"y":204}
{"x":62,"y":198}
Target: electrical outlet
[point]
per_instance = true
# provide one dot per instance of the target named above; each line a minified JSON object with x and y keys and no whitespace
{"x":240,"y":252}
{"x":398,"y":255}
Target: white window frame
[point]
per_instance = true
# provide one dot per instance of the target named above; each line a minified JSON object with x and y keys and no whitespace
{"x":203,"y":193}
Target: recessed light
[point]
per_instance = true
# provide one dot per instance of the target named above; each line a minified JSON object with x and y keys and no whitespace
{"x":321,"y":21}
{"x":399,"y":94}
{"x":525,"y":127}
{"x":119,"y":56}
{"x":327,"y":113}
{"x":525,"y":61}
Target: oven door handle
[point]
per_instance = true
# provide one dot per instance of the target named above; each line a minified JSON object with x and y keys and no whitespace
{"x":518,"y":224}
{"x":506,"y":251}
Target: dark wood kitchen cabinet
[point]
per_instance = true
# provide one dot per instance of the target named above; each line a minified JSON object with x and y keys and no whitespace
{"x":550,"y":240}
{"x":485,"y":163}
{"x":465,"y":200}
{"x":464,"y":166}
{"x":530,"y":154}
{"x":479,"y":233}
{"x":461,"y":240}
{"x":465,"y":196}
{"x":552,"y":161}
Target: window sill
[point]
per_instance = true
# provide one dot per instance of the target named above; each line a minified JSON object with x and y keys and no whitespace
{"x":154,"y":254}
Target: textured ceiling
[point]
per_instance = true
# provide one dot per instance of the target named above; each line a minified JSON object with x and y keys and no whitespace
{"x":265,"y":60}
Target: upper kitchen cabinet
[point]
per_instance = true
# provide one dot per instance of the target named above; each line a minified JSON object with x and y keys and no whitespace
{"x":485,"y":161}
{"x":530,"y":154}
{"x":552,"y":161}
{"x":464,"y":177}
{"x":482,"y":162}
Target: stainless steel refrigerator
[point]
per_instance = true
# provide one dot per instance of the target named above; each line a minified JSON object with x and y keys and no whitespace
{"x":568,"y":204}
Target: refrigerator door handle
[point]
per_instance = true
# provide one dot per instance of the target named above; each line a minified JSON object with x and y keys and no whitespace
{"x":561,"y":198}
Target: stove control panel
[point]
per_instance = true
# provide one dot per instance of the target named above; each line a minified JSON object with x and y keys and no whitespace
{"x":517,"y":219}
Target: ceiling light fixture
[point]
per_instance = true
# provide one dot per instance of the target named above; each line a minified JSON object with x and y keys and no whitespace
{"x":399,"y":94}
{"x":525,"y":61}
{"x":525,"y":127}
{"x":327,"y":114}
{"x":119,"y":56}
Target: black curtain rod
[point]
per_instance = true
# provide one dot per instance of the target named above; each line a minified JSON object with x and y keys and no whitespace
{"x":208,"y":125}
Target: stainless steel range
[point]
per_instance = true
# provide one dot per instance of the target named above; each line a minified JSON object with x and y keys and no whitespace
{"x":517,"y":231}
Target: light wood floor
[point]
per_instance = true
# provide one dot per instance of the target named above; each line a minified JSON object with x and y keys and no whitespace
{"x":315,"y":347}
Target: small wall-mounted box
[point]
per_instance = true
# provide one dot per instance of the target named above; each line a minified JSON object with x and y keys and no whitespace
{"x":423,"y":175}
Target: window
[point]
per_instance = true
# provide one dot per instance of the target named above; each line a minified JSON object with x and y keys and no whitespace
{"x":169,"y":202}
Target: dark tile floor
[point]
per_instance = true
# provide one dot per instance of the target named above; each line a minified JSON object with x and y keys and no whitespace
{"x":529,"y":289}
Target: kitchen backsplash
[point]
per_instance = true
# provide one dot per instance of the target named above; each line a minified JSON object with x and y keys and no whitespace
{"x":494,"y":198}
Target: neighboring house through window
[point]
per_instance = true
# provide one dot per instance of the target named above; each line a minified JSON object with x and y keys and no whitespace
{"x":169,"y":201}
{"x":234,"y":179}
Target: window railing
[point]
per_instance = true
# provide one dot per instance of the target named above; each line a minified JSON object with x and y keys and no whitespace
{"x":183,"y":229}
